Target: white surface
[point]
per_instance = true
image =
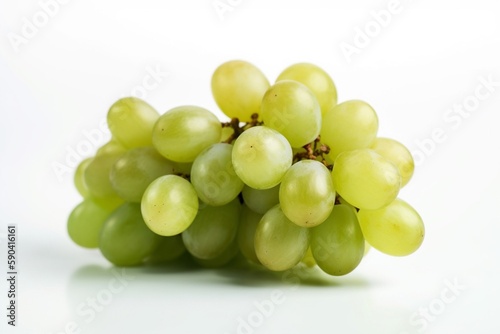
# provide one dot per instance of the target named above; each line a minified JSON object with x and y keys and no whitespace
{"x":428,"y":58}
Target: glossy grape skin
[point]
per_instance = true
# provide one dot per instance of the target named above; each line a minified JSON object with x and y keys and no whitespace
{"x":348,"y":126}
{"x":79,"y":178}
{"x":292,"y":109}
{"x":132,"y":173}
{"x":213,"y":230}
{"x":228,"y":255}
{"x":238,"y":88}
{"x":316,"y":79}
{"x":111,"y":147}
{"x":308,"y":259}
{"x":131,"y":121}
{"x":125,"y":239}
{"x":306,"y":193}
{"x":396,"y":229}
{"x":96,"y":175}
{"x":261,"y":200}
{"x":85,"y":223}
{"x":398,"y":154}
{"x":213,"y":175}
{"x":279,"y":243}
{"x":183,"y":132}
{"x":246,"y":233}
{"x":261,"y":156}
{"x":365,"y":179}
{"x":169,"y":205}
{"x":338,"y":245}
{"x":168,"y":249}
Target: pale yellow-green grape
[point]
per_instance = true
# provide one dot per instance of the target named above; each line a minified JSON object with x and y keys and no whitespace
{"x":306,"y":193}
{"x":224,"y":258}
{"x":367,"y":248}
{"x":213,"y":176}
{"x":261,"y":156}
{"x":316,"y":79}
{"x":213,"y":230}
{"x":169,"y":205}
{"x":292,"y":109}
{"x":279,"y":243}
{"x":238,"y":88}
{"x":341,"y":200}
{"x":136,"y":169}
{"x":125,"y":239}
{"x":97,"y":173}
{"x":183,"y":132}
{"x":338,"y":244}
{"x":365,"y":179}
{"x":261,"y":200}
{"x":308,"y":259}
{"x":396,"y":229}
{"x":226,"y":132}
{"x":347,"y":126}
{"x":131,"y":121}
{"x":85,"y":222}
{"x":169,"y":249}
{"x":246,"y":233}
{"x":111,"y":147}
{"x":398,"y":154}
{"x":108,"y":203}
{"x":79,"y":178}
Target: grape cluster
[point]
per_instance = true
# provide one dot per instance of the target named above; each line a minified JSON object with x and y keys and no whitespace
{"x":292,"y":177}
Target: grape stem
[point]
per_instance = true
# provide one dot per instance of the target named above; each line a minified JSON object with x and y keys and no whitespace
{"x":313,"y":151}
{"x":234,"y":123}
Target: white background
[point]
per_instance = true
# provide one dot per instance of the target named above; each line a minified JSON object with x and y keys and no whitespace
{"x":432,"y":55}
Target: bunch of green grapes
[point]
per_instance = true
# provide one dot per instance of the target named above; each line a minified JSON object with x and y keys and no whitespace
{"x":292,"y":178}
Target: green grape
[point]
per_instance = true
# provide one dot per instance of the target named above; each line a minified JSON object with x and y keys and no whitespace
{"x":125,"y":239}
{"x":349,"y":126}
{"x":279,"y":243}
{"x":308,"y":258}
{"x":261,"y":200}
{"x":365,"y":179}
{"x":396,"y":229}
{"x":169,"y":205}
{"x":246,"y":233}
{"x":108,"y":203}
{"x":226,"y":132}
{"x":238,"y":88}
{"x":213,"y":176}
{"x":131,"y":121}
{"x":111,"y":147}
{"x":316,"y":79}
{"x":96,"y":175}
{"x":85,"y":222}
{"x":135,"y":170}
{"x":367,"y":248}
{"x":169,"y":249}
{"x":292,"y":109}
{"x":398,"y":154}
{"x":79,"y":178}
{"x":306,"y":193}
{"x":338,"y":244}
{"x":221,"y":260}
{"x":213,"y":230}
{"x":182,"y":133}
{"x":261,"y":156}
